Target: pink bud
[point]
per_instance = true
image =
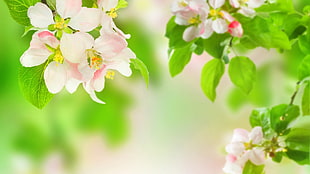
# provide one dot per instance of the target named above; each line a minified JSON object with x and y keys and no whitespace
{"x":235,"y":29}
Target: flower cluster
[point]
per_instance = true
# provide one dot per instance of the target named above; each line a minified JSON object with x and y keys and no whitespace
{"x":250,"y":146}
{"x":206,"y":17}
{"x":71,"y":55}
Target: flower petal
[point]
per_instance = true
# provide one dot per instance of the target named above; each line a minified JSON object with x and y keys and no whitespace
{"x":99,"y":80}
{"x":68,"y":8}
{"x":234,"y":3}
{"x":107,"y":5}
{"x":235,"y":148}
{"x":86,"y":20}
{"x":40,"y":15}
{"x":257,"y":156}
{"x":216,"y":3}
{"x":34,"y":56}
{"x":110,"y":44}
{"x":190,"y":33}
{"x":72,"y":85}
{"x":121,"y":62}
{"x":55,"y":77}
{"x":255,"y":3}
{"x":240,"y":135}
{"x":208,"y":31}
{"x":256,"y":135}
{"x":246,"y":11}
{"x":91,"y":92}
{"x":74,"y":46}
{"x":220,"y":25}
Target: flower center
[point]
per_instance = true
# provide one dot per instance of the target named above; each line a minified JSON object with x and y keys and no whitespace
{"x":112,"y":13}
{"x":110,"y":75}
{"x":58,"y":57}
{"x":183,"y":4}
{"x":194,"y":20}
{"x":60,"y":24}
{"x":215,"y":13}
{"x":95,"y":61}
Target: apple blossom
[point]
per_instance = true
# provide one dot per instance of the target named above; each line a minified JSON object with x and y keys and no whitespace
{"x":97,"y":59}
{"x":45,"y":47}
{"x":70,"y":14}
{"x":246,"y":6}
{"x":244,"y":146}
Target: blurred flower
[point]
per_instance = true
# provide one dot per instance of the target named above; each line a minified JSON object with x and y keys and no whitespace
{"x":246,"y":6}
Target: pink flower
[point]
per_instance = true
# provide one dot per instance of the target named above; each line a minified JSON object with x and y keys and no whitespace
{"x":243,"y":147}
{"x":71,"y":13}
{"x":96,"y":58}
{"x":247,"y":7}
{"x":44,"y":47}
{"x":235,"y":29}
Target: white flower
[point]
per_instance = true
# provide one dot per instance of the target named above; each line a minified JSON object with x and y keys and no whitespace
{"x":243,"y":147}
{"x":45,"y":47}
{"x":69,"y":13}
{"x":247,"y":6}
{"x":96,"y":59}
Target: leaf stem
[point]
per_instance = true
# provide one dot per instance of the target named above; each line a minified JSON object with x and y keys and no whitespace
{"x":295,"y":93}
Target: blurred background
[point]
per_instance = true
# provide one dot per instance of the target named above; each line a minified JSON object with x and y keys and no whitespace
{"x":168,"y":128}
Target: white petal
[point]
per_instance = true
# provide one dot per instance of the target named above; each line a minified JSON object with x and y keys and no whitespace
{"x":86,"y":20}
{"x":86,"y":71}
{"x":255,"y":3}
{"x":236,"y":148}
{"x":34,"y":56}
{"x":40,"y":15}
{"x":72,"y":85}
{"x":94,"y":97}
{"x":68,"y":8}
{"x":256,"y":135}
{"x":92,"y":93}
{"x":257,"y":156}
{"x":216,"y":3}
{"x":190,"y":33}
{"x":73,"y":46}
{"x":220,"y":25}
{"x":110,"y":44}
{"x":48,"y":38}
{"x":246,"y":11}
{"x":55,"y":77}
{"x":208,"y":31}
{"x":107,"y":5}
{"x":99,"y":80}
{"x":121,"y":62}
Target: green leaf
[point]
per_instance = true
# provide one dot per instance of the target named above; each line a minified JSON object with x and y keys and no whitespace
{"x":270,"y":36}
{"x":306,"y":100}
{"x":281,"y":116}
{"x":174,"y":33}
{"x":33,"y":86}
{"x":242,"y":72}
{"x":211,"y":75}
{"x":180,"y":57}
{"x":302,"y":158}
{"x":51,"y":4}
{"x":304,"y":44}
{"x":261,"y":117}
{"x":215,"y":44}
{"x":277,"y":5}
{"x":18,"y":10}
{"x":304,"y":68}
{"x":122,"y":4}
{"x":139,"y":65}
{"x":251,"y":168}
{"x":298,"y":139}
{"x":89,"y":3}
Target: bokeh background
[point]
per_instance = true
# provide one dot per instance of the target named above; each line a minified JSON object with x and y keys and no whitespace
{"x":168,"y":128}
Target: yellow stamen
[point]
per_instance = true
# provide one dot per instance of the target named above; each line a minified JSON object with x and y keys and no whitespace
{"x":96,"y":62}
{"x":194,"y":20}
{"x":282,"y":118}
{"x":183,"y":4}
{"x":213,"y":12}
{"x":112,"y":13}
{"x":59,"y":58}
{"x":110,"y":75}
{"x":284,"y":150}
{"x":60,"y":25}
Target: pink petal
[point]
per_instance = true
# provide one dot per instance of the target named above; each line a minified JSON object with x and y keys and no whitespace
{"x":234,"y":3}
{"x":74,"y":46}
{"x":256,"y":156}
{"x":34,"y":56}
{"x":240,"y":135}
{"x":236,"y":148}
{"x":208,"y":31}
{"x":110,"y":44}
{"x":48,"y":38}
{"x":40,"y":15}
{"x":256,"y":135}
{"x":99,"y":80}
{"x":55,"y":77}
{"x":86,"y":20}
{"x":86,"y":72}
{"x":68,"y":8}
{"x":121,"y":62}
